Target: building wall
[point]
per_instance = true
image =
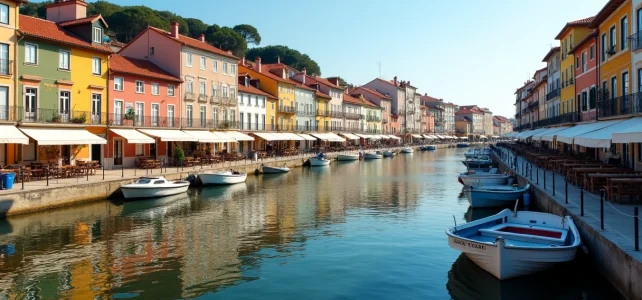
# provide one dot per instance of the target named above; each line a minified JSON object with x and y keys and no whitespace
{"x":8,"y":152}
{"x":130,"y":97}
{"x":83,"y":77}
{"x":353,"y":124}
{"x":636,"y":55}
{"x":167,"y":52}
{"x":247,"y":105}
{"x":488,"y":123}
{"x":286,"y":96}
{"x":615,"y":66}
{"x":270,"y":86}
{"x":568,"y":67}
{"x":586,"y":78}
{"x":553,"y":83}
{"x":322,"y":105}
{"x":305,"y":109}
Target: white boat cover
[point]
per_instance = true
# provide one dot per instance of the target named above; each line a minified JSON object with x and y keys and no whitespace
{"x":632,"y":134}
{"x":267,"y":136}
{"x":602,"y":138}
{"x":306,"y":137}
{"x":223,"y":137}
{"x":9,"y":134}
{"x":239,"y":136}
{"x":168,"y":135}
{"x":349,"y":136}
{"x":549,"y":134}
{"x":133,"y":136}
{"x":60,"y":136}
{"x":204,"y":136}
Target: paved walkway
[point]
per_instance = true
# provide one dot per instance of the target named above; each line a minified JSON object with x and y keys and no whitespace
{"x":618,"y":218}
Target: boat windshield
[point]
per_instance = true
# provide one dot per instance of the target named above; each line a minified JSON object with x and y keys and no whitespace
{"x":143,"y":181}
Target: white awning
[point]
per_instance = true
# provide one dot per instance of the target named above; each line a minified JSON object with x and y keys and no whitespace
{"x":306,"y":137}
{"x":495,"y":136}
{"x":383,"y":137}
{"x":464,"y":137}
{"x":428,"y":137}
{"x":567,"y":136}
{"x":549,"y":134}
{"x":417,"y":136}
{"x":350,"y":136}
{"x":602,"y":138}
{"x":293,"y":137}
{"x":9,"y":134}
{"x":526,"y":134}
{"x":633,"y":134}
{"x":267,"y":136}
{"x":483,"y":137}
{"x":395,"y":137}
{"x":66,"y":136}
{"x":335,"y":138}
{"x":241,"y":137}
{"x":223,"y":137}
{"x":133,"y":136}
{"x":204,"y":136}
{"x":168,"y":135}
{"x":363,"y":136}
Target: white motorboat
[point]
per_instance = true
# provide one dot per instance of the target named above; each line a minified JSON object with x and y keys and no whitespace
{"x":473,"y":178}
{"x":152,"y":187}
{"x":407,"y":150}
{"x":478,"y":162}
{"x":222,"y":177}
{"x":373,"y":155}
{"x":274,"y":170}
{"x":512,"y":244}
{"x":477,"y":152}
{"x":494,"y":195}
{"x":319,"y":161}
{"x":347,"y":156}
{"x":388,"y":153}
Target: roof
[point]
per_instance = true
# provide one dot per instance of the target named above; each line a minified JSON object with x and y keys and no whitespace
{"x":427,"y":98}
{"x":541,"y":82}
{"x":550,"y":53}
{"x":322,"y":95}
{"x":577,"y":23}
{"x":252,"y":90}
{"x":270,"y":75}
{"x":326,"y":82}
{"x":140,"y":67}
{"x":347,"y":98}
{"x":50,"y":31}
{"x":194,"y":43}
{"x":501,"y":119}
{"x":374,"y":92}
{"x":87,"y":20}
{"x":605,"y":12}
{"x":465,"y":111}
{"x":579,"y":45}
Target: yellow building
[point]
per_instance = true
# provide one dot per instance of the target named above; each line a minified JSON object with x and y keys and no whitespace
{"x":323,"y":111}
{"x":572,"y":33}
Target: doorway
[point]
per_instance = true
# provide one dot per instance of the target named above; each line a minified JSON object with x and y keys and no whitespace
{"x":65,"y":153}
{"x":118,"y":152}
{"x":96,"y":153}
{"x":152,"y":150}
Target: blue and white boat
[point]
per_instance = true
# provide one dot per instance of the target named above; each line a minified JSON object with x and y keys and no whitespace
{"x":478,"y":162}
{"x":494,"y":195}
{"x":429,"y":148}
{"x":462,"y":145}
{"x":512,"y":244}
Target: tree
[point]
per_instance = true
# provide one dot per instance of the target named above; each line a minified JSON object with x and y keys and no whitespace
{"x":290,"y":57}
{"x":183,"y":26}
{"x":226,"y":39}
{"x":132,"y":20}
{"x":102,"y":7}
{"x":196,"y":27}
{"x":345,"y":83}
{"x":249,"y":33}
{"x":34,"y":9}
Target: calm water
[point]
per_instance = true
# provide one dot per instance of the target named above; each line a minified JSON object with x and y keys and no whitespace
{"x":367,"y":230}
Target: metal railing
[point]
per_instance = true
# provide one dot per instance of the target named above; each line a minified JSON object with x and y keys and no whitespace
{"x":353,"y":116}
{"x":142,"y":121}
{"x":636,"y":41}
{"x":208,"y":124}
{"x":620,"y":106}
{"x":336,"y":114}
{"x":286,"y":109}
{"x":373,"y":119}
{"x":252,"y":126}
{"x":323,"y":113}
{"x":571,"y":117}
{"x":51,"y":115}
{"x":6,"y":67}
{"x":534,"y":104}
{"x":552,"y":94}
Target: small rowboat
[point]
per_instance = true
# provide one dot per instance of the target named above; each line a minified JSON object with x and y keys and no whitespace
{"x":274,"y":170}
{"x":222,"y":177}
{"x":152,"y":187}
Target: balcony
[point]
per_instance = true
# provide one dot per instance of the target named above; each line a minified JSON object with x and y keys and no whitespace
{"x":620,"y":106}
{"x":636,"y":41}
{"x":216,"y":100}
{"x":286,"y":109}
{"x":208,"y":124}
{"x":142,"y":121}
{"x":553,"y":94}
{"x":6,"y":67}
{"x":524,"y":110}
{"x":231,"y":101}
{"x":352,"y":116}
{"x":202,"y":98}
{"x":373,"y":119}
{"x":252,"y":126}
{"x":190,"y":96}
{"x":571,"y":117}
{"x":533,"y":105}
{"x":385,"y":119}
{"x":336,"y":114}
{"x":323,"y":113}
{"x":51,"y":116}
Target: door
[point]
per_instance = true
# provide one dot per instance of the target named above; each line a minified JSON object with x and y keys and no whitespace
{"x":118,"y":152}
{"x":96,"y":108}
{"x":4,"y":60}
{"x":118,"y":113}
{"x":140,"y":111}
{"x":96,"y":154}
{"x":64,"y":106}
{"x":152,"y":150}
{"x":155,"y":115}
{"x":65,"y":153}
{"x":30,"y":104}
{"x":4,"y":102}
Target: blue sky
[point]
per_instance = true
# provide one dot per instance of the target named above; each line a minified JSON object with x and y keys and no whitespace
{"x":465,"y":51}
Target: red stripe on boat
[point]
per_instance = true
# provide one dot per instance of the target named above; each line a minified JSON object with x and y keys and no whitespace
{"x":531,"y":231}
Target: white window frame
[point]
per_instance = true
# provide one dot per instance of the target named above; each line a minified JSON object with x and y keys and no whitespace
{"x":119,"y":116}
{"x":202,"y":88}
{"x":35,"y":54}
{"x":224,"y":68}
{"x":122,"y":84}
{"x":61,"y":61}
{"x":215,"y":66}
{"x":141,"y":148}
{"x":98,"y":35}
{"x":4,"y":9}
{"x":189,"y":86}
{"x":171,"y":114}
{"x":171,"y":90}
{"x":94,"y":66}
{"x":155,"y":88}
{"x":232,"y":69}
{"x":188,"y":60}
{"x":203,"y":62}
{"x":142,"y":85}
{"x":155,"y":119}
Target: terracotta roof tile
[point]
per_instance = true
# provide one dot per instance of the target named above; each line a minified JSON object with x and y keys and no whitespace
{"x":86,"y":20}
{"x":140,"y":67}
{"x":194,"y":43}
{"x":374,"y":92}
{"x":322,"y":95}
{"x":550,"y":52}
{"x":252,"y":90}
{"x":327,"y":82}
{"x":50,"y":31}
{"x":605,"y":12}
{"x":581,"y":22}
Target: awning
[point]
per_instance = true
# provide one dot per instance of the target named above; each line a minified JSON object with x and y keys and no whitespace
{"x":568,"y":136}
{"x":350,"y":136}
{"x":241,"y":137}
{"x":549,"y":134}
{"x":267,"y":136}
{"x":363,"y":136}
{"x":417,"y":136}
{"x":9,"y":134}
{"x":168,"y":135}
{"x":223,"y":137}
{"x":394,"y":137}
{"x":464,"y":137}
{"x":633,"y":134}
{"x":482,"y":137}
{"x":66,"y":136}
{"x":495,"y":136}
{"x":430,"y":137}
{"x":133,"y":136}
{"x":602,"y":138}
{"x":307,"y":137}
{"x":526,"y":134}
{"x":385,"y":137}
{"x":335,"y":138}
{"x":293,"y":137}
{"x":204,"y":136}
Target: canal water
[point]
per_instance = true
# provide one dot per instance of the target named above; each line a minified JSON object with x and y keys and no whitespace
{"x":357,"y":230}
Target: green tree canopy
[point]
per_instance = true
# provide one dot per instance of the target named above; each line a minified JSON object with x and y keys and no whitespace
{"x":290,"y":57}
{"x":226,"y":38}
{"x":34,"y":9}
{"x":249,"y":33}
{"x":196,"y":27}
{"x":132,"y":20}
{"x":102,"y":7}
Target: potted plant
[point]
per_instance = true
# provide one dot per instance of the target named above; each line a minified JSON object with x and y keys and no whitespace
{"x":82,"y":119}
{"x":130,"y":114}
{"x":179,"y":155}
{"x":56,"y":119}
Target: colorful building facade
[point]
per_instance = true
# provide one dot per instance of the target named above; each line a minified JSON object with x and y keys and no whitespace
{"x":586,"y":76}
{"x":570,"y":34}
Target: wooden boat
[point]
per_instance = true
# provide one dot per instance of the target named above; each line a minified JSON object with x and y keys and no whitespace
{"x":512,"y":244}
{"x":373,"y":155}
{"x":347,"y":156}
{"x":494,"y":195}
{"x":477,"y":162}
{"x":153,"y":187}
{"x":222,"y":177}
{"x":472,"y":178}
{"x":407,"y":150}
{"x":274,"y":170}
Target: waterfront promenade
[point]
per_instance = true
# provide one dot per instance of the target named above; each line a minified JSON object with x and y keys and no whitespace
{"x":618,"y":219}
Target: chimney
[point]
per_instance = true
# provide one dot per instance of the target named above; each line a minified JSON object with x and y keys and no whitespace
{"x":334,"y":80}
{"x":394,"y":81}
{"x":278,"y":59}
{"x":408,"y":82}
{"x":66,"y":10}
{"x":426,"y":94}
{"x":243,"y":61}
{"x":305,"y":74}
{"x":257,"y":63}
{"x":202,"y":38}
{"x":174,"y":31}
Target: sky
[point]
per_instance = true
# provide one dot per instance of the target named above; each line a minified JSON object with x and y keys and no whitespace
{"x":463,"y":51}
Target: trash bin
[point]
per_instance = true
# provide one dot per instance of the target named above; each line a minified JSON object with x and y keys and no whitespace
{"x":255,"y":156}
{"x":7,"y":180}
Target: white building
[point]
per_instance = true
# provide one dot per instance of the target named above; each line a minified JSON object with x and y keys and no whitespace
{"x":403,"y":101}
{"x":329,"y":86}
{"x":251,"y":105}
{"x":552,"y":60}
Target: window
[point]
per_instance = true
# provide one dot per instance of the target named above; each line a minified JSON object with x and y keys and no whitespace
{"x":214,"y":115}
{"x":214,"y":90}
{"x":98,"y":35}
{"x":577,"y":62}
{"x":233,"y":69}
{"x":96,"y":108}
{"x":201,"y":88}
{"x":4,"y":59}
{"x":203,"y":63}
{"x":190,"y":86}
{"x":592,"y":52}
{"x":612,"y":39}
{"x":613,"y":87}
{"x":118,"y":84}
{"x":624,"y":31}
{"x":189,"y":59}
{"x":4,"y":13}
{"x":140,"y":150}
{"x":152,"y":50}
{"x":118,"y":112}
{"x":224,"y":92}
{"x":170,"y":115}
{"x":583,"y":97}
{"x":188,"y":114}
{"x":225,"y":68}
{"x":592,"y":97}
{"x":155,"y":88}
{"x":232,"y":93}
{"x":64,"y":103}
{"x":140,"y":112}
{"x":170,"y":90}
{"x":203,"y":116}
{"x":63,"y":60}
{"x":140,"y":87}
{"x":603,"y":58}
{"x":625,"y":83}
{"x":214,"y":66}
{"x":96,"y":66}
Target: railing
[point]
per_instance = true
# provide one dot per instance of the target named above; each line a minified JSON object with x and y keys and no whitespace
{"x":231,"y":101}
{"x":6,"y":67}
{"x":620,"y":106}
{"x":142,"y":121}
{"x":190,"y":96}
{"x":636,"y":41}
{"x":202,"y":97}
{"x":336,"y":114}
{"x":305,"y":113}
{"x":208,"y":124}
{"x":252,"y":126}
{"x":524,"y":110}
{"x":51,"y":115}
{"x":571,"y":117}
{"x":352,"y":116}
{"x":552,"y":94}
{"x":570,"y":81}
{"x":373,"y":119}
{"x":534,"y":104}
{"x":287,"y":109}
{"x":323,"y":113}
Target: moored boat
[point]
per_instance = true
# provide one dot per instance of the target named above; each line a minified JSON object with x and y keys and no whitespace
{"x":494,"y":195}
{"x":462,"y":145}
{"x":407,"y":150}
{"x":274,"y":170}
{"x":477,"y":162}
{"x":222,"y":177}
{"x":152,"y":187}
{"x":472,"y":178}
{"x":373,"y":155}
{"x":388,"y":153}
{"x":512,"y":244}
{"x":477,"y":152}
{"x":429,"y":148}
{"x":347,"y":156}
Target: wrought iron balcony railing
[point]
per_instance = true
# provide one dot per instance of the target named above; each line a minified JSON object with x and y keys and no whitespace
{"x":553,"y":94}
{"x":51,"y":115}
{"x":620,"y":106}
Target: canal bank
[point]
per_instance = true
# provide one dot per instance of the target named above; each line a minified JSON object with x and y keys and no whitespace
{"x":611,"y":250}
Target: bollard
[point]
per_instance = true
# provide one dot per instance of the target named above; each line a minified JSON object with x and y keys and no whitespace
{"x":537,"y":175}
{"x":122,"y":169}
{"x":553,"y":182}
{"x":582,"y":201}
{"x":22,"y":175}
{"x":566,"y":190}
{"x":87,"y":173}
{"x":635,"y":228}
{"x":602,"y":209}
{"x":47,"y":175}
{"x":103,"y":166}
{"x":544,"y":178}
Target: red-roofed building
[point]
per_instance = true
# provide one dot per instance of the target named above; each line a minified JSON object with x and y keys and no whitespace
{"x":371,"y":112}
{"x":141,"y":95}
{"x":383,"y":101}
{"x":209,"y":74}
{"x":501,"y":126}
{"x":405,"y":101}
{"x":330,"y":87}
{"x":471,"y":115}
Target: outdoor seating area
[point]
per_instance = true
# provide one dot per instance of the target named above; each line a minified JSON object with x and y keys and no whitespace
{"x":43,"y":171}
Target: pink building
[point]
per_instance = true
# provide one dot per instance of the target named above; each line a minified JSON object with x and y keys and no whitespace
{"x":586,"y":76}
{"x":141,"y":95}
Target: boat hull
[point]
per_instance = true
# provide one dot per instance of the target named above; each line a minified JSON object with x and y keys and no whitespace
{"x":221,"y":179}
{"x":275,"y":170}
{"x":347,"y":157}
{"x":482,"y":180}
{"x":407,"y":150}
{"x":372,"y":156}
{"x":477,"y":164}
{"x":388,"y":154}
{"x":462,"y":145}
{"x":430,"y":148}
{"x":480,"y":197}
{"x":316,"y":162}
{"x":153,"y":192}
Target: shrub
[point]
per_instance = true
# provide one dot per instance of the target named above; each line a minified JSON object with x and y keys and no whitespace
{"x":179,"y":155}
